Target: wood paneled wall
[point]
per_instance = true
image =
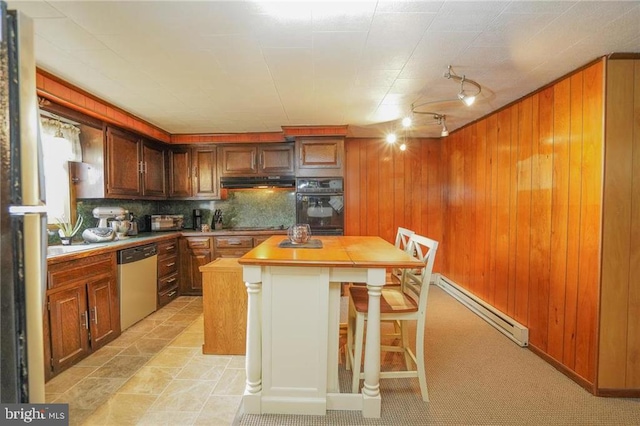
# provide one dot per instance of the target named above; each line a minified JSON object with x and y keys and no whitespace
{"x":515,"y":200}
{"x":619,"y":358}
{"x":386,"y":188}
{"x":522,"y":199}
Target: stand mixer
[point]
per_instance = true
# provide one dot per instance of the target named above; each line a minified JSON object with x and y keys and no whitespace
{"x":102,"y":232}
{"x":103,"y":214}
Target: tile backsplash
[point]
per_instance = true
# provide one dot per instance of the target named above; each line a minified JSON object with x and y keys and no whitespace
{"x":242,"y":208}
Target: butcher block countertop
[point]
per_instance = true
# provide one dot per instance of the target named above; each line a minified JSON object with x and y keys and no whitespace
{"x":336,"y":251}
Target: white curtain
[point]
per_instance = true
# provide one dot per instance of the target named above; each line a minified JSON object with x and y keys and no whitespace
{"x":57,"y":153}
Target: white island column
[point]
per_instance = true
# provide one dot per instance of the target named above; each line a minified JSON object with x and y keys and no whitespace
{"x":253,"y":360}
{"x":371,"y":401}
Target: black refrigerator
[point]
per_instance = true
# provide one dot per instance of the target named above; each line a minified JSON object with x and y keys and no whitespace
{"x":23,"y":236}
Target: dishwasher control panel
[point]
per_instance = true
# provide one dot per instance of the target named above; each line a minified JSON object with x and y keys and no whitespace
{"x":136,"y":253}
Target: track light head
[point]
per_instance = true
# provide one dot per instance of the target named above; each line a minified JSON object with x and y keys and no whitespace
{"x":467,"y":98}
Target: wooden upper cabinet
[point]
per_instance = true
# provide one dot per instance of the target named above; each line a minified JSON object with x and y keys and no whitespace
{"x":276,"y":159}
{"x":238,"y":160}
{"x":260,"y":159}
{"x":135,"y":168}
{"x":180,"y":172}
{"x":322,"y":156}
{"x":123,"y":164}
{"x":193,"y":172}
{"x":153,"y":170}
{"x":205,"y":177}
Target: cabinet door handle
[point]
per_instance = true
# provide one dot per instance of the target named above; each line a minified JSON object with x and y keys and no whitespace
{"x":170,"y":264}
{"x":195,"y":171}
{"x":262,"y":159}
{"x":145,"y":167}
{"x":95,"y":314}
{"x":84,"y":320}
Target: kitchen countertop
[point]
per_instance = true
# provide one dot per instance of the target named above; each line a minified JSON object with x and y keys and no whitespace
{"x":80,"y":250}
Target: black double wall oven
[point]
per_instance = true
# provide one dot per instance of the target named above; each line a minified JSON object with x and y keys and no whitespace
{"x":320,"y":203}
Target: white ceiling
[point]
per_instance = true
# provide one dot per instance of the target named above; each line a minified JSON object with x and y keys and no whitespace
{"x":254,"y":66}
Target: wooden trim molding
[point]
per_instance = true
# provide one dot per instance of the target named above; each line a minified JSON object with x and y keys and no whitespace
{"x":619,"y":393}
{"x":294,"y":131}
{"x":59,"y":91}
{"x":259,"y":137}
{"x":564,"y":370}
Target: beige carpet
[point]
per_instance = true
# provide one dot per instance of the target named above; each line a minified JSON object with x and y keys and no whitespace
{"x":476,"y":376}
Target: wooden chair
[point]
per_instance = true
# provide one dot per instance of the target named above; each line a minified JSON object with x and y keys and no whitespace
{"x":407,"y":302}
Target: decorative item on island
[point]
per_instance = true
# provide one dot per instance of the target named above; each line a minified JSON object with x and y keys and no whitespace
{"x":67,"y":230}
{"x":299,"y":233}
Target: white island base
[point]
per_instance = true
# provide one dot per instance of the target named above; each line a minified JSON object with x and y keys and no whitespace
{"x":292,"y":340}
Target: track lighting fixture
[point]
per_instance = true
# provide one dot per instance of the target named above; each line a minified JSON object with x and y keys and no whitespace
{"x":468,"y":97}
{"x":469,"y":91}
{"x":443,"y":120}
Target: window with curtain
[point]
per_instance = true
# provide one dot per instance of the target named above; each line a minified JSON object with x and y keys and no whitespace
{"x":60,"y":144}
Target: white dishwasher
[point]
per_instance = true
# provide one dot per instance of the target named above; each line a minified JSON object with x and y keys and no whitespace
{"x":138,"y":282}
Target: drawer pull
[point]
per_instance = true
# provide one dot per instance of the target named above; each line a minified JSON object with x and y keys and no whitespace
{"x":169,"y":248}
{"x":172,"y":279}
{"x":172,"y":293}
{"x":169,"y":264}
{"x":234,"y":242}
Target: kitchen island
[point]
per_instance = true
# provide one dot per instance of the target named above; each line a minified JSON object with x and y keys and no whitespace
{"x":293,"y":323}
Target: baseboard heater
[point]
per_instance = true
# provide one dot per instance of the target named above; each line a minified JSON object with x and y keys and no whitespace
{"x":501,"y":322}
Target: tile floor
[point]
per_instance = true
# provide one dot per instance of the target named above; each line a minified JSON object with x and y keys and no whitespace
{"x":154,"y":374}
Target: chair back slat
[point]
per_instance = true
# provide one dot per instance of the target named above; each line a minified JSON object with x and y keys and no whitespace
{"x":402,"y":238}
{"x":415,"y":282}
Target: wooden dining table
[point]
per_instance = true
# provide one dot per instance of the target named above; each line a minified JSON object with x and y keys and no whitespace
{"x":293,"y":322}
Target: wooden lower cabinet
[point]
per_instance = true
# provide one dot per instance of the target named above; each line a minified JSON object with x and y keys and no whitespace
{"x":168,"y":271}
{"x":225,"y":308}
{"x":233,"y":246}
{"x":199,"y":251}
{"x":194,"y":252}
{"x":69,"y":327}
{"x":104,"y":310}
{"x":83,"y":312}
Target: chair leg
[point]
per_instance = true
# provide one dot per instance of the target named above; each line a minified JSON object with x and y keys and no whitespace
{"x":350,"y":332}
{"x":404,"y":339}
{"x":357,"y":353}
{"x":422,"y":375}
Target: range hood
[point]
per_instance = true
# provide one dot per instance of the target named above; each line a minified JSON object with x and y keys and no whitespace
{"x":244,"y":182}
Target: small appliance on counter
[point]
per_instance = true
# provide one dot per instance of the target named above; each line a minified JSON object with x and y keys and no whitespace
{"x":165,"y":222}
{"x":103,"y":232}
{"x":98,"y":235}
{"x":133,"y":229}
{"x":197,"y":219}
{"x":103,"y":214}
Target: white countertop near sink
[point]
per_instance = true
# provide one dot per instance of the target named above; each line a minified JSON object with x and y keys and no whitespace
{"x":60,"y":250}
